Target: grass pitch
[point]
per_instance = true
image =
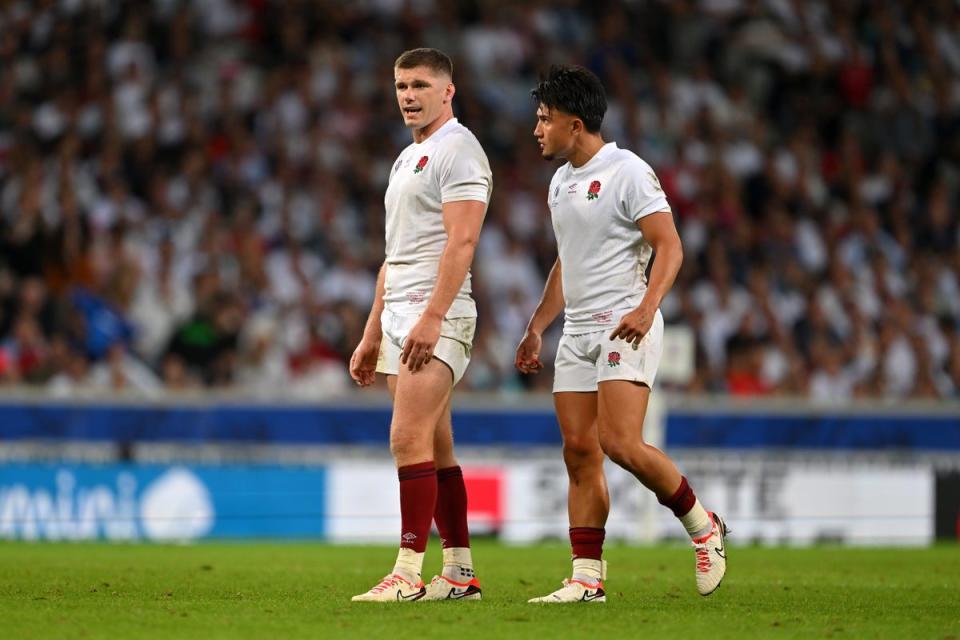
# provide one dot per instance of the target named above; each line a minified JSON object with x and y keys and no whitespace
{"x":215,"y":591}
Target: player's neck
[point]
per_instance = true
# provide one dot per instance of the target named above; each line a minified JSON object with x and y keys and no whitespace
{"x":419,"y":135}
{"x":585,"y":148}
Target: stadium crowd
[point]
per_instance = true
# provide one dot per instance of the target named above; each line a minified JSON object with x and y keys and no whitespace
{"x":191,"y":193}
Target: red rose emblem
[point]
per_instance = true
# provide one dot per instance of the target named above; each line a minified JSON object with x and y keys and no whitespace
{"x":613,"y":359}
{"x":421,"y":164}
{"x":594,"y":190}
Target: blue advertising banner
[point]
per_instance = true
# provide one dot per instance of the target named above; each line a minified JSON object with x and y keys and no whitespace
{"x":813,"y":432}
{"x":160,"y":503}
{"x":257,"y":424}
{"x":493,"y":426}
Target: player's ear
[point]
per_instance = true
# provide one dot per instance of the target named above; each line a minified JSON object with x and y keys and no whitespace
{"x":449,"y":93}
{"x":576,"y":126}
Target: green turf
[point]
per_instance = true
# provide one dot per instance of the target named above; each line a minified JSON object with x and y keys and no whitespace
{"x":214,"y":591}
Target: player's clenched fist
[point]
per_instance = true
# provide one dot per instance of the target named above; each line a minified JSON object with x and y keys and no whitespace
{"x":363,"y":362}
{"x":528,"y":353}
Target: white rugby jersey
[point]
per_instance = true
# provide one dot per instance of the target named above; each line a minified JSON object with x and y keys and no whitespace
{"x":448,"y":166}
{"x":603,"y":255}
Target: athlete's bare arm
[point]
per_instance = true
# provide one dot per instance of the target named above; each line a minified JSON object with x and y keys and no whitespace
{"x":551,"y":304}
{"x":658,"y":229}
{"x":363,"y":362}
{"x":462,"y":221}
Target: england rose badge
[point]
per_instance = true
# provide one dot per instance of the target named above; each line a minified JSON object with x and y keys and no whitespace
{"x":594,"y":191}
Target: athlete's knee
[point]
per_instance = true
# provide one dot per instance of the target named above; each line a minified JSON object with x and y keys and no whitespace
{"x":623,"y":451}
{"x":582,"y":454}
{"x":409,"y":443}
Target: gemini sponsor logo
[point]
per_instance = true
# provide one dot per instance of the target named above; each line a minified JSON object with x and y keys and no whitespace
{"x":176,"y":506}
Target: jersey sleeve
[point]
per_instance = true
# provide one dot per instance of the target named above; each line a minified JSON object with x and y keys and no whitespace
{"x":641,"y":193}
{"x":464,"y":173}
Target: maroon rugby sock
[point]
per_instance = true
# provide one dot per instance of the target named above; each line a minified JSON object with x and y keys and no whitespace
{"x":682,"y":499}
{"x":451,"y":511}
{"x":418,"y":498}
{"x":587,"y":542}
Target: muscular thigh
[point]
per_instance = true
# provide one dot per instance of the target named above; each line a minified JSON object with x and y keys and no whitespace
{"x":444,"y":420}
{"x":621,"y":408}
{"x":577,"y":415}
{"x":421,"y":398}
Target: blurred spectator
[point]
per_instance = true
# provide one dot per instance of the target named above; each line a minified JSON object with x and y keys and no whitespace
{"x":191,"y":192}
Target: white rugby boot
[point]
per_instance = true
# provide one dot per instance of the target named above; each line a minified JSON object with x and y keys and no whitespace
{"x":575,"y":591}
{"x":443,"y":588}
{"x":393,"y":588}
{"x":711,"y":552}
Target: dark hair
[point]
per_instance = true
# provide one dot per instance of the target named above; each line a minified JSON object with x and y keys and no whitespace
{"x":425,"y":57}
{"x":573,"y":90}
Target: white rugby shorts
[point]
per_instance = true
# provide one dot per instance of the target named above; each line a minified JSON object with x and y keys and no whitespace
{"x":453,"y":347}
{"x":587,"y":359}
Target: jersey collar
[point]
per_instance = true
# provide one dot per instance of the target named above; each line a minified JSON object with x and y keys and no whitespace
{"x":590,"y":164}
{"x":444,"y":129}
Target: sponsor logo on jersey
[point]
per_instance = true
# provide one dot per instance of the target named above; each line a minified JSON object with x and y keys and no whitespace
{"x":416,"y":296}
{"x":421,"y":165}
{"x":594,"y":191}
{"x":572,"y":188}
{"x":604,"y":317}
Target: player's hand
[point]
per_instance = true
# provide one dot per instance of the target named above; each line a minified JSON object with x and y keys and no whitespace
{"x":420,"y":342}
{"x":363,"y":362}
{"x":634,"y":325}
{"x":528,"y":353}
